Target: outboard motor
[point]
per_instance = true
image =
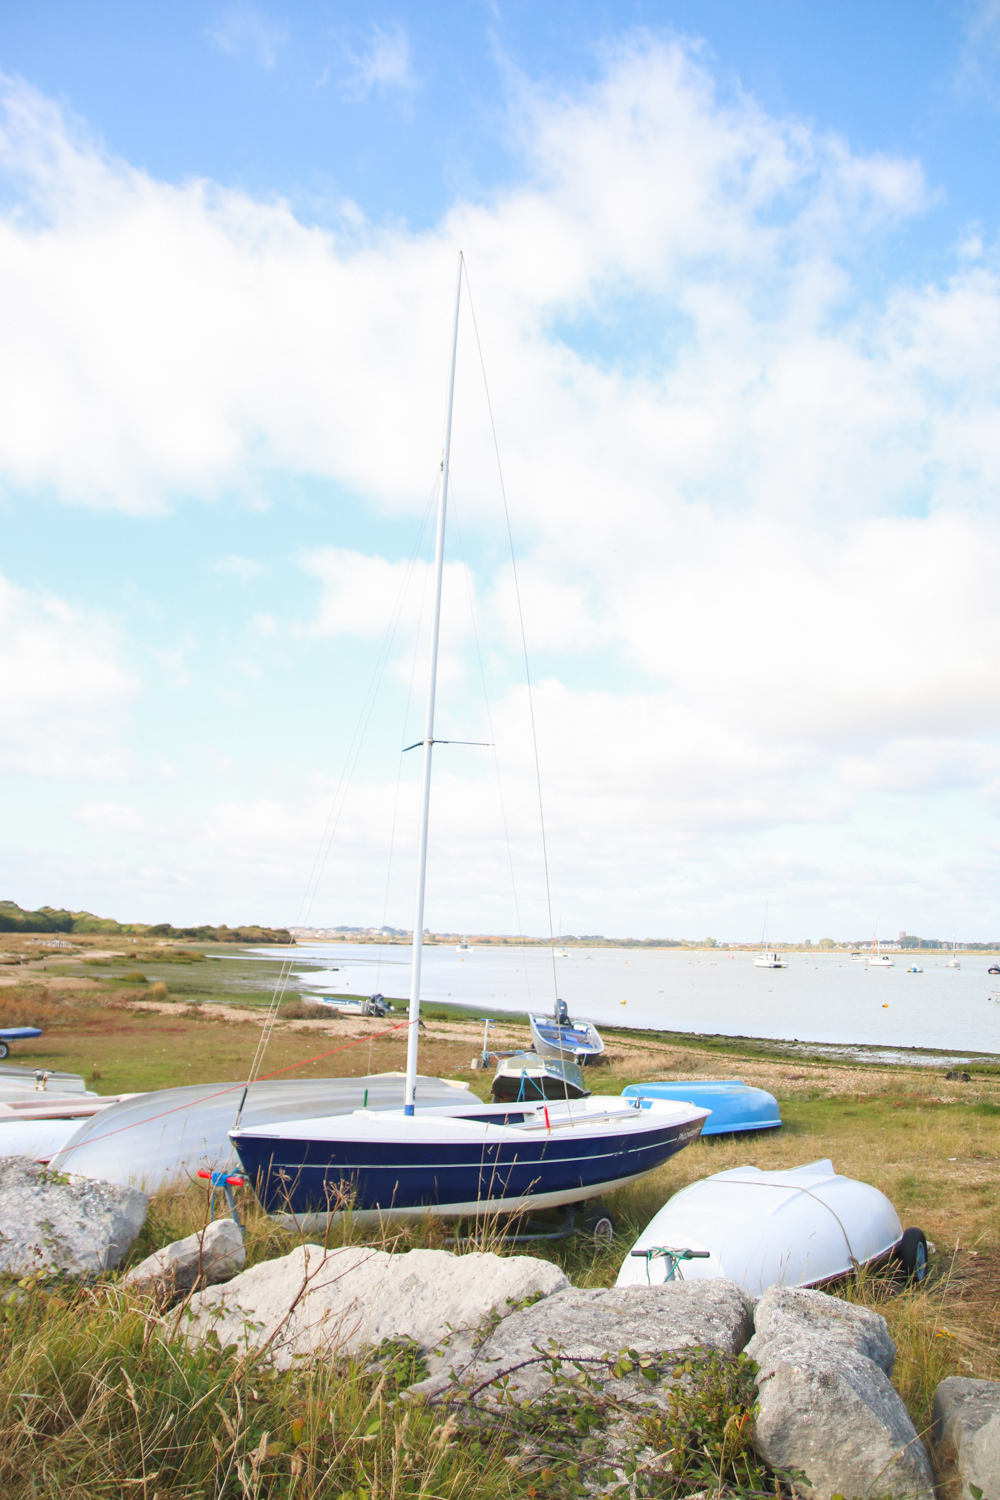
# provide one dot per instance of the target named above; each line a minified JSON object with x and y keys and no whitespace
{"x":562,"y":1013}
{"x":377,"y":1006}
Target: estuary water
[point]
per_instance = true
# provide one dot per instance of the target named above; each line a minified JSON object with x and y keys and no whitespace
{"x":829,"y":999}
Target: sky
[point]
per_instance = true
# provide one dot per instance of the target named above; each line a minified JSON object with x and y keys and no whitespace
{"x":735,"y":273}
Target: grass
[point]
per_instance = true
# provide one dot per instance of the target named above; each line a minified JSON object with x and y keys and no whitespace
{"x":96,"y":1400}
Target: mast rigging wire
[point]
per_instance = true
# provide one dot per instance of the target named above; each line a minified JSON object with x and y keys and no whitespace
{"x":524,"y":642}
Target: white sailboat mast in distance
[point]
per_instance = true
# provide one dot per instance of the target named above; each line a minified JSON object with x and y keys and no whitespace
{"x":878,"y":959}
{"x":428,"y":741}
{"x":953,"y":962}
{"x":767,"y":958}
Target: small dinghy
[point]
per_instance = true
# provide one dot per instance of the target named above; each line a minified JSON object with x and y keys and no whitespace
{"x":803,"y":1227}
{"x":526,"y":1076}
{"x":10,"y":1034}
{"x":369,"y":1005}
{"x":558,"y":1036}
{"x":40,"y":1111}
{"x":735,"y":1105}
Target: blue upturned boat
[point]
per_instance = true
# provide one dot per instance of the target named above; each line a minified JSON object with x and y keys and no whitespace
{"x":735,"y":1105}
{"x":16,"y":1034}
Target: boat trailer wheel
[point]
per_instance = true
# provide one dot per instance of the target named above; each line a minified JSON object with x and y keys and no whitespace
{"x":911,"y":1255}
{"x":4,"y":1050}
{"x":599,"y":1226}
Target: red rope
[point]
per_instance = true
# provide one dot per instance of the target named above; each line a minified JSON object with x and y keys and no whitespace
{"x":359,"y":1041}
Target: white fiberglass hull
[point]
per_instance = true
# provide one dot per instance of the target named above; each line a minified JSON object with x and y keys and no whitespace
{"x":801,"y":1227}
{"x":153,"y":1140}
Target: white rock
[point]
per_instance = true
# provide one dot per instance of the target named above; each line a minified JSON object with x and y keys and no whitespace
{"x":212,"y":1255}
{"x":966,"y":1435}
{"x":325,"y":1301}
{"x":590,"y":1324}
{"x":826,"y":1405}
{"x":51,"y":1222}
{"x":785,"y":1316}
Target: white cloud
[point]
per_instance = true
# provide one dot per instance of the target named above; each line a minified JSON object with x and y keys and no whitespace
{"x":63,"y":686}
{"x":384,"y":64}
{"x":243,"y":568}
{"x":767,"y":516}
{"x":247,"y":28}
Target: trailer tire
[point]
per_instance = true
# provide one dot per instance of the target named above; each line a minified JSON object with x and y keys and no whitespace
{"x":599,"y":1226}
{"x":4,"y":1050}
{"x":911,"y":1255}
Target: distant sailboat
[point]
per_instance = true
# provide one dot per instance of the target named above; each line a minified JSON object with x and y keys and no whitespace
{"x":878,"y":959}
{"x":767,"y":958}
{"x":953,"y":962}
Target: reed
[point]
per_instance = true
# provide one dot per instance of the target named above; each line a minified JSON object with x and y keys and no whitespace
{"x":98,"y":1400}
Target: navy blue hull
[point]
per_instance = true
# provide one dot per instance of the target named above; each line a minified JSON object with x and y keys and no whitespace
{"x":315,"y":1176}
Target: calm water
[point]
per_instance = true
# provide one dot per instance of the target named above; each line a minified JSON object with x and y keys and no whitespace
{"x":816,"y":999}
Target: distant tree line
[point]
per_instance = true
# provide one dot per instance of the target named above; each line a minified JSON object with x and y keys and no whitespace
{"x":56,"y":919}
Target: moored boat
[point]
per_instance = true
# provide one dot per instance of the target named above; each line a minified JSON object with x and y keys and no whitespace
{"x":735,"y":1106}
{"x":802,"y":1227}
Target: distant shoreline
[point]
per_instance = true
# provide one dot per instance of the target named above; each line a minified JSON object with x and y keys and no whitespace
{"x":660,"y":945}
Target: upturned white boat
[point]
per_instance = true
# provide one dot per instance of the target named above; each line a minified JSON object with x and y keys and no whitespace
{"x":463,"y":1159}
{"x":157,"y":1139}
{"x":802,"y":1227}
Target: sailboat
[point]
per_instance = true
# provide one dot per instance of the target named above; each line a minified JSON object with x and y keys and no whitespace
{"x":768,"y":958}
{"x":878,"y":959}
{"x":465,"y":1158}
{"x":953,"y":962}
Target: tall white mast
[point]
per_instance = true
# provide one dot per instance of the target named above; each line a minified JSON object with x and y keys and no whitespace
{"x":428,"y":741}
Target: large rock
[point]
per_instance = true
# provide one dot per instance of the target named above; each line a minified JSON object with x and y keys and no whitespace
{"x":317,"y":1301}
{"x":826,"y":1405}
{"x":214,"y":1254}
{"x":51,"y":1222}
{"x":785,"y":1316}
{"x":593,"y":1324}
{"x":966,"y":1436}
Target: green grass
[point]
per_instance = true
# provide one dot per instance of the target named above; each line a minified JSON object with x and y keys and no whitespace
{"x":94,"y":1392}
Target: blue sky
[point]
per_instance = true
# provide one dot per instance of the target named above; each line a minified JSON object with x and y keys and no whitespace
{"x":736,"y":276}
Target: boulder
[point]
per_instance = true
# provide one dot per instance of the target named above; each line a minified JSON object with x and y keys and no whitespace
{"x":826,"y":1405}
{"x":317,"y":1301}
{"x":592,"y":1324}
{"x":212,"y":1255}
{"x":53,"y":1222}
{"x":786,"y":1315}
{"x":965,"y":1431}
